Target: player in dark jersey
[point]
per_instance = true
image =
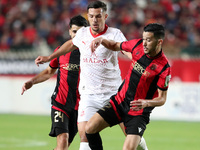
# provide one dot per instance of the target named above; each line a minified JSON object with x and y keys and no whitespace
{"x":65,"y":98}
{"x":144,"y":88}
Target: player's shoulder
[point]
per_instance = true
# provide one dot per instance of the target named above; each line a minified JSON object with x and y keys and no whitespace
{"x":134,"y":41}
{"x":83,"y":29}
{"x":164,"y":57}
{"x":115,"y":30}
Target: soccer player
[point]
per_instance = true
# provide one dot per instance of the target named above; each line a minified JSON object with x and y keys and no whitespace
{"x":144,"y":87}
{"x":100,"y":73}
{"x":65,"y":98}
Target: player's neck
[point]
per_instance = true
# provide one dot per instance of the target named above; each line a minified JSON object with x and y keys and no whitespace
{"x":99,"y":32}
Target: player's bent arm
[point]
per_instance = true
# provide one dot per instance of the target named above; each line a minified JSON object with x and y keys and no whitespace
{"x":158,"y":101}
{"x":112,"y":45}
{"x":109,"y":44}
{"x":65,"y":48}
{"x":125,"y":55}
{"x":41,"y":77}
{"x":44,"y":75}
{"x":136,"y":105}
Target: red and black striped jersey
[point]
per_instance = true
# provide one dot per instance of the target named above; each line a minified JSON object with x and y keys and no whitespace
{"x":66,"y":95}
{"x":146,"y":74}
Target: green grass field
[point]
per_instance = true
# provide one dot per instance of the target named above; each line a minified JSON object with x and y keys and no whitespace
{"x":28,"y":132}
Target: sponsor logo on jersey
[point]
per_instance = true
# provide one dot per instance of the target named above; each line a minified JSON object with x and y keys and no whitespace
{"x":137,"y":67}
{"x":70,"y":67}
{"x":95,"y":60}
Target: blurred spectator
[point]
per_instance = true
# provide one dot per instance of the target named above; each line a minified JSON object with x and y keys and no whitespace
{"x":24,"y":22}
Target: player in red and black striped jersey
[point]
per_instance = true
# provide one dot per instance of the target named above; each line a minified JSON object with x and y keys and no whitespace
{"x":144,"y":88}
{"x":65,"y":99}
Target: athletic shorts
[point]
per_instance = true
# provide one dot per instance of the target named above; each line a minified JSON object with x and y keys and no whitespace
{"x":64,"y":123}
{"x":133,"y":124}
{"x":90,"y":103}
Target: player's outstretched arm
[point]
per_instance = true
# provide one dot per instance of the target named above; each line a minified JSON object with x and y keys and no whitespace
{"x":65,"y":48}
{"x":109,"y":44}
{"x":41,"y":77}
{"x":142,"y":103}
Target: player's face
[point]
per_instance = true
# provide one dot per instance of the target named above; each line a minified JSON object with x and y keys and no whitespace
{"x":97,"y":18}
{"x":151,"y":45}
{"x":73,"y":30}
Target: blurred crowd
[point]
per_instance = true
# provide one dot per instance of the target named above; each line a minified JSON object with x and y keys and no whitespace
{"x":24,"y":23}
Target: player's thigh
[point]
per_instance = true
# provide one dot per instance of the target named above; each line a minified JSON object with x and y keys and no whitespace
{"x":96,"y":124}
{"x":131,"y":142}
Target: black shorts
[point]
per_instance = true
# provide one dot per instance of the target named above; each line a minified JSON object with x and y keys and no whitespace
{"x":133,"y":124}
{"x":62,"y":123}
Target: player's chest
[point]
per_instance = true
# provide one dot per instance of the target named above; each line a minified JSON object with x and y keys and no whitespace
{"x":85,"y":49}
{"x":146,"y":68}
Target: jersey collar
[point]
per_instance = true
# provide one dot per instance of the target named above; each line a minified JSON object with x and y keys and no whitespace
{"x":105,"y":29}
{"x":158,"y":55}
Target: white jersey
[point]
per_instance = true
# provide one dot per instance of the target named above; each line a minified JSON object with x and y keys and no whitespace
{"x":100,"y":71}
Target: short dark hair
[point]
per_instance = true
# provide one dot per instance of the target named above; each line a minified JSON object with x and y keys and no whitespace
{"x":78,"y":21}
{"x":97,"y":4}
{"x":157,"y":29}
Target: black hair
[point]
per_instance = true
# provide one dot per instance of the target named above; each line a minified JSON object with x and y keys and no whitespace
{"x":157,"y":29}
{"x":78,"y":21}
{"x":97,"y":4}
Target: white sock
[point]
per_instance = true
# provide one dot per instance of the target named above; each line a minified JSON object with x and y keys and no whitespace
{"x":142,"y":145}
{"x":84,"y":146}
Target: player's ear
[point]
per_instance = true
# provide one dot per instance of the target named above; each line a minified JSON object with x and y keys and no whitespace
{"x":106,"y":16}
{"x":160,"y":41}
{"x":70,"y":32}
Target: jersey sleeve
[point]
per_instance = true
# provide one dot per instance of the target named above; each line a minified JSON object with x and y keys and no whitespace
{"x":54,"y":62}
{"x":164,"y":78}
{"x":119,"y":37}
{"x":129,"y":46}
{"x":76,"y":40}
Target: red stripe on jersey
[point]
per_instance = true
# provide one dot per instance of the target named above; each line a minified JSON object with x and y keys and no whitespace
{"x":115,"y":109}
{"x":63,"y":85}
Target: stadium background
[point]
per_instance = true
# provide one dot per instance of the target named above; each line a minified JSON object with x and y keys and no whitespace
{"x":29,"y":28}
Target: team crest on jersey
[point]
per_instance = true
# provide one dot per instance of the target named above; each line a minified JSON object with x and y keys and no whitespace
{"x":153,"y":67}
{"x":137,"y":53}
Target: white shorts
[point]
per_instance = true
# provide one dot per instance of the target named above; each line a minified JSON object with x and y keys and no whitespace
{"x":90,"y":103}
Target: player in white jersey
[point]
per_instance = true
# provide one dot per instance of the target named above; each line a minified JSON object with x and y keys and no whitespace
{"x":100,"y":73}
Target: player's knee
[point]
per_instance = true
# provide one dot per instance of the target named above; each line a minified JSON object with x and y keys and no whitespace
{"x":128,"y":147}
{"x":63,"y":140}
{"x":90,"y":129}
